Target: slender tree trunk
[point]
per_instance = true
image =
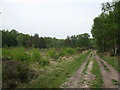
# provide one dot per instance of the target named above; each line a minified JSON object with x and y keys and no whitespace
{"x":115,"y":47}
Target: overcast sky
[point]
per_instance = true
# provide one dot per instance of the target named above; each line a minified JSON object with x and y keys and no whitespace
{"x":51,"y":18}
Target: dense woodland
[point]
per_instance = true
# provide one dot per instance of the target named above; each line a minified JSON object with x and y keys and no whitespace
{"x":13,"y":39}
{"x":106,"y":28}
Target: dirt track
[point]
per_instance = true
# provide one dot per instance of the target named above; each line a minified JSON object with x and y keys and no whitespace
{"x":107,"y":75}
{"x":73,"y":82}
{"x":86,"y":78}
{"x":83,"y":80}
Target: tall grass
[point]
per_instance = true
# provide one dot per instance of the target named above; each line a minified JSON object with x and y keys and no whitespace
{"x":86,"y":66}
{"x":112,"y":60}
{"x":98,"y":82}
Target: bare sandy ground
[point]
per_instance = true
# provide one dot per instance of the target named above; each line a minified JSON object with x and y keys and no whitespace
{"x":83,"y":80}
{"x":73,"y":82}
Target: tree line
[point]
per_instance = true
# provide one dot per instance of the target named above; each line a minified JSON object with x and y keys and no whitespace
{"x":13,"y":38}
{"x":82,"y":40}
{"x":106,"y":28}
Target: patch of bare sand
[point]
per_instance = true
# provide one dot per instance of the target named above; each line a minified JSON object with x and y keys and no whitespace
{"x":73,"y":81}
{"x":85,"y":80}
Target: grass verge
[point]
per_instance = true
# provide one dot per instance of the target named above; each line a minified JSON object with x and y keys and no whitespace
{"x":115,"y":82}
{"x":97,"y":83}
{"x":86,"y":66}
{"x":57,"y":77}
{"x":112,"y":60}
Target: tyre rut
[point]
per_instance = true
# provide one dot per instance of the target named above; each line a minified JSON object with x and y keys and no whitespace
{"x":106,"y":76}
{"x":73,"y":82}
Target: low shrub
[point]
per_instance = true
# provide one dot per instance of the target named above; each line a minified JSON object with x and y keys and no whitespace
{"x":6,"y":54}
{"x":0,"y":52}
{"x":24,"y":73}
{"x":35,"y":55}
{"x":67,"y":51}
{"x":79,"y":50}
{"x":15,"y":53}
{"x":20,"y":54}
{"x":52,"y":53}
{"x":62,"y":53}
{"x":70,"y":51}
{"x":44,"y":62}
{"x":14,"y":72}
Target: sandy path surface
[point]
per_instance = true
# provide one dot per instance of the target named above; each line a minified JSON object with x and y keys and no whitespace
{"x":74,"y":81}
{"x":83,"y":80}
{"x":107,"y":76}
{"x":86,"y":78}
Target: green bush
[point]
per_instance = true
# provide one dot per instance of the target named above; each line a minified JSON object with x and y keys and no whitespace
{"x":24,"y":73}
{"x":79,"y":49}
{"x":44,"y":62}
{"x":14,"y":71}
{"x":36,"y":55}
{"x":20,"y":54}
{"x":62,"y":53}
{"x":67,"y":51}
{"x":0,"y":52}
{"x":15,"y":53}
{"x":52,"y":53}
{"x":70,"y":51}
{"x":6,"y":54}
